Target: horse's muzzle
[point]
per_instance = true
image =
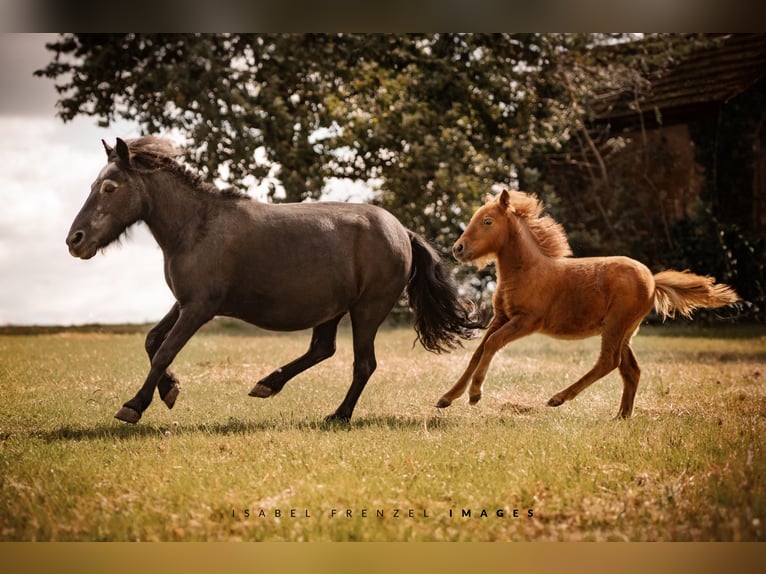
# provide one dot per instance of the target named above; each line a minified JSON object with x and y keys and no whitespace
{"x":78,"y":247}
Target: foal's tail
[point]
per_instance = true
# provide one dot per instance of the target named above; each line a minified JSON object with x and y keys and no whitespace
{"x":684,"y":292}
{"x":441,"y":317}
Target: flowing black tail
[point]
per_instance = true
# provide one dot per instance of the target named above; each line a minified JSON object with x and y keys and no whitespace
{"x":441,"y":318}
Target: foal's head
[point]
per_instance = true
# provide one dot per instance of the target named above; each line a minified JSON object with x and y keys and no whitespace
{"x":497,"y":223}
{"x":486,"y":232}
{"x":114,"y":204}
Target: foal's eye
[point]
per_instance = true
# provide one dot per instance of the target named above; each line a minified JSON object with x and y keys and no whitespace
{"x":488,"y":222}
{"x":108,"y":186}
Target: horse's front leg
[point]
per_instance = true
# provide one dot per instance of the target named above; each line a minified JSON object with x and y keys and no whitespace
{"x":518,"y":326}
{"x":190,"y":319}
{"x":462,"y":383}
{"x":168,"y":384}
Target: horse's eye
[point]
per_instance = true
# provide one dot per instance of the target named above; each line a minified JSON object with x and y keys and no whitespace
{"x":108,"y":186}
{"x":488,"y":222}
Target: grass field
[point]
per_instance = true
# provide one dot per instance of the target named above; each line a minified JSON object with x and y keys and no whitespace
{"x":689,"y":465}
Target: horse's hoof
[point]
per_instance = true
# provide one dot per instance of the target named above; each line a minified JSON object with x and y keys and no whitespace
{"x":472,"y":400}
{"x":170,"y":398}
{"x":336,"y":419}
{"x":554,"y":402}
{"x":128,"y":415}
{"x":443,"y":403}
{"x":261,"y":391}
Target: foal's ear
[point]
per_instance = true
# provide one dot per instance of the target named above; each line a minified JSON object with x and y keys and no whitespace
{"x":123,"y":153}
{"x":504,"y":200}
{"x":108,"y":149}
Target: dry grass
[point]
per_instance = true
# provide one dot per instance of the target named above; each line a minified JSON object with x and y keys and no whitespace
{"x":690,"y":464}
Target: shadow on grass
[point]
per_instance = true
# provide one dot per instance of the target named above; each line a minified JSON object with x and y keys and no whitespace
{"x":688,"y":329}
{"x":121,"y":431}
{"x":706,"y":357}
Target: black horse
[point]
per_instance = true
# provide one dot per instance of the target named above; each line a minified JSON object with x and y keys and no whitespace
{"x":281,"y":267}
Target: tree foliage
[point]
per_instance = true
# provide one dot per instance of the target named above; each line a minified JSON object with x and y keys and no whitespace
{"x":435,"y":119}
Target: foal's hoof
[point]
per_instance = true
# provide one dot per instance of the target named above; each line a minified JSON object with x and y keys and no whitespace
{"x":170,"y":398}
{"x":443,"y":403}
{"x":261,"y":391}
{"x":128,"y":415}
{"x":555,"y":401}
{"x":473,"y":399}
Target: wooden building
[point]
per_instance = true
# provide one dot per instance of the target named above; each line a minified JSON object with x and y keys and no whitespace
{"x":707,"y":114}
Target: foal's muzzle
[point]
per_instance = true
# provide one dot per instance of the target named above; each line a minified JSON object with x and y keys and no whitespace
{"x":458,"y":250}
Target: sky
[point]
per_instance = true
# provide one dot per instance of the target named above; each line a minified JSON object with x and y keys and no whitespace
{"x":46,"y":168}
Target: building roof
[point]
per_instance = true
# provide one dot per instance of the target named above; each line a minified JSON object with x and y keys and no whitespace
{"x":725,"y":66}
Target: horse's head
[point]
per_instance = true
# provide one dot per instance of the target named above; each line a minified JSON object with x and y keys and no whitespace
{"x":114,"y":204}
{"x":486,"y":232}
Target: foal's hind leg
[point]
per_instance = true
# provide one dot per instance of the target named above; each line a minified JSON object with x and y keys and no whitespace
{"x":630,"y":372}
{"x":322,"y":347}
{"x":168,"y":384}
{"x":608,"y":360}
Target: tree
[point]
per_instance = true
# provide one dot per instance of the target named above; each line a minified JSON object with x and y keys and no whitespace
{"x":435,"y":119}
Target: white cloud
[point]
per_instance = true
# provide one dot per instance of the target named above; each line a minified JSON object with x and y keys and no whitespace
{"x":43,"y":182}
{"x":46,"y":168}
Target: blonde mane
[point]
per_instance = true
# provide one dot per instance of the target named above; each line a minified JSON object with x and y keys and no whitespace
{"x":548,"y":234}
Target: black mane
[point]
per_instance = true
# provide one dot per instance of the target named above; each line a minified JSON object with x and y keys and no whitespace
{"x":152,"y":153}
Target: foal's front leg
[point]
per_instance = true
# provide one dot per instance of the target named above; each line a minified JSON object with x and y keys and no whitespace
{"x":518,"y":326}
{"x":462,"y":384}
{"x":190,"y":319}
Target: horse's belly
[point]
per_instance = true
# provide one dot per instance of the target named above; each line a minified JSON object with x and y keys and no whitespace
{"x":285,"y":315}
{"x":563,"y":333}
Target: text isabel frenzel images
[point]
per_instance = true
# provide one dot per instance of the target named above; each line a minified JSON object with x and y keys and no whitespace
{"x":381,"y":513}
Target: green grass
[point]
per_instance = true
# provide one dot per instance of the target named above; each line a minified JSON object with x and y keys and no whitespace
{"x":689,"y":465}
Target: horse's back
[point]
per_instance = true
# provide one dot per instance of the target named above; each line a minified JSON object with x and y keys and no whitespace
{"x":343,"y":232}
{"x":296,"y":265}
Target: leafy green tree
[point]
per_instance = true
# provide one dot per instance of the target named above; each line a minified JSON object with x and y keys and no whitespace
{"x":434,"y":119}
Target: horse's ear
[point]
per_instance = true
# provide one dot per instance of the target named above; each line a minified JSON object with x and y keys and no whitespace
{"x":108,"y":149}
{"x":123,"y":153}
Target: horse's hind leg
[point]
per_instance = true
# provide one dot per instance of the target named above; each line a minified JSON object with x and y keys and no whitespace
{"x":322,"y":347}
{"x":630,"y":372}
{"x":168,"y":384}
{"x":364,"y":323}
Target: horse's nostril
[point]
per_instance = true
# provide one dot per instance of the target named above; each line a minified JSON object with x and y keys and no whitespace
{"x":458,"y":248}
{"x":75,"y":238}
